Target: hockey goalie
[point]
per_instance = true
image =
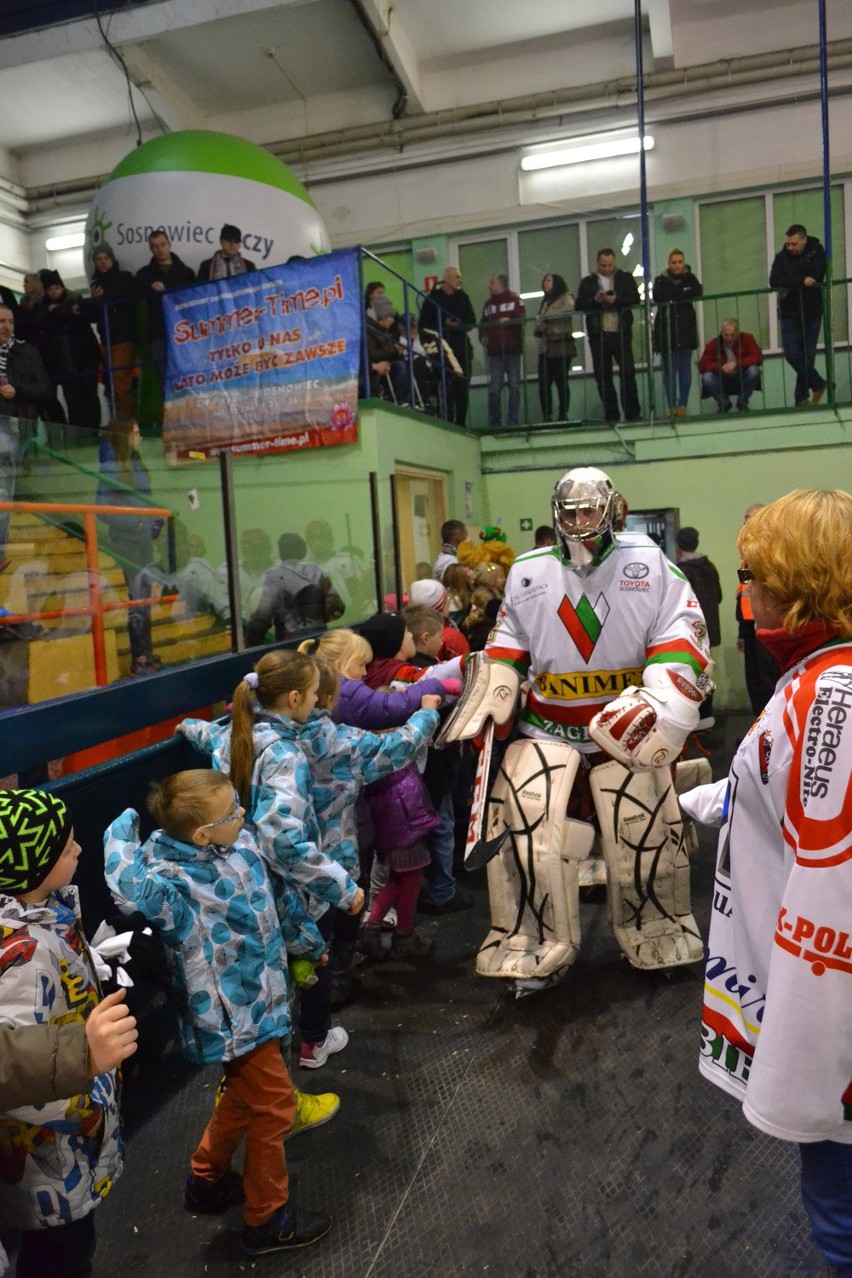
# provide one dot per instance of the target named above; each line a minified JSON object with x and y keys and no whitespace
{"x":600,"y":658}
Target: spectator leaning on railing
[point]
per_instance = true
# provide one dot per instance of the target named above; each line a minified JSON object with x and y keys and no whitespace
{"x":798,"y":272}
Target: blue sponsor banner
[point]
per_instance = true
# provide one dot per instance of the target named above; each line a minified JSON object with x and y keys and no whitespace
{"x":265,"y":362}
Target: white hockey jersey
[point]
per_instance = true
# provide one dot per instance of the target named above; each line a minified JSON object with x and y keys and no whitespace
{"x":777,"y":1020}
{"x":582,"y":640}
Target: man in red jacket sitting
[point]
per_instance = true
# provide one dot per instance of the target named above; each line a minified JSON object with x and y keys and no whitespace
{"x":730,"y":365}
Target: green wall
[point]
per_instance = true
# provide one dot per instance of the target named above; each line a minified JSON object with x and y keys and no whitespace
{"x":710,"y":493}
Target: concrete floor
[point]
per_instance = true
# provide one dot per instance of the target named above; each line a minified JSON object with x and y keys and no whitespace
{"x":568,"y":1134}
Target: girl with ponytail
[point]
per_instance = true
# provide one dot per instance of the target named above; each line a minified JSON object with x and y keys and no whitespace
{"x":288,"y":763}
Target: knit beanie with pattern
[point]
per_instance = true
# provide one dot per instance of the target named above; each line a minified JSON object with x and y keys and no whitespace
{"x":34,"y":829}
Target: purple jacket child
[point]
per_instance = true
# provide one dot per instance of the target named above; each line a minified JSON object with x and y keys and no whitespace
{"x":401,"y":812}
{"x":363,"y":707}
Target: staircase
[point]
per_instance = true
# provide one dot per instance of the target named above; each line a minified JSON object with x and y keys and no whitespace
{"x":47,"y":571}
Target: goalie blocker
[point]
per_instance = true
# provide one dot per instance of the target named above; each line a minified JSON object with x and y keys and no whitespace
{"x":648,"y":727}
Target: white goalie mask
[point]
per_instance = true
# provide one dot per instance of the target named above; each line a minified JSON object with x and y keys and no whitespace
{"x":587,"y":510}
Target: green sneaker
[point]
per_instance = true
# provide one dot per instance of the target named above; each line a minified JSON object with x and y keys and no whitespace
{"x":313,"y":1111}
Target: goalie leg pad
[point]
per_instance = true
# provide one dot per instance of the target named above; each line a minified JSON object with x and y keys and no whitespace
{"x":532,"y":882}
{"x":644,"y":845}
{"x":490,"y":692}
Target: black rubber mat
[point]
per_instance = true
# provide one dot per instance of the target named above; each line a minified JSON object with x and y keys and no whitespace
{"x":568,"y":1134}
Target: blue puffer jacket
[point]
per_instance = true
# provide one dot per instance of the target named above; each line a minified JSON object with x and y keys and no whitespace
{"x":342,"y":760}
{"x":282,"y":807}
{"x":226,"y":928}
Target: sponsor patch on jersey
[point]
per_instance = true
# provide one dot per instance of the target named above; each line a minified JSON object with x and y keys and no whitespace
{"x":822,"y":946}
{"x":528,"y":590}
{"x":829,"y":717}
{"x":699,"y":630}
{"x":584,"y":622}
{"x":764,"y":750}
{"x":628,"y":584}
{"x":636,"y":571}
{"x":584,"y":684}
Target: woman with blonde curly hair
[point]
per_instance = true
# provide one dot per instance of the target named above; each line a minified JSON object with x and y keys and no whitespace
{"x":777,"y":1025}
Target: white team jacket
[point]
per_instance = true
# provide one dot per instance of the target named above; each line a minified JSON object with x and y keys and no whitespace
{"x":582,"y":640}
{"x":777,"y":1020}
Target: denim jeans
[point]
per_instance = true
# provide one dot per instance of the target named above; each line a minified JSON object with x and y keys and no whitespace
{"x":827,"y":1195}
{"x":503,"y":368}
{"x":721,"y":386}
{"x":441,"y":843}
{"x":677,"y":375}
{"x":799,"y":342}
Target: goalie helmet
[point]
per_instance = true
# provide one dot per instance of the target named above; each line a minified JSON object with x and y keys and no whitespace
{"x":587,"y":510}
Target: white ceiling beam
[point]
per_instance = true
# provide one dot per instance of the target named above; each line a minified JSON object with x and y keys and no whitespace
{"x":660,"y":24}
{"x":172,"y":104}
{"x":387,"y":25}
{"x":126,"y":26}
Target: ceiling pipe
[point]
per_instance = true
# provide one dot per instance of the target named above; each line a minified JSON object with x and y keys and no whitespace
{"x":365,"y":140}
{"x":400,"y":105}
{"x":497,"y":115}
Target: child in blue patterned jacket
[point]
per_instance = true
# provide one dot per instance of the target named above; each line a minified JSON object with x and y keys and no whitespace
{"x":202,"y":881}
{"x":296,"y":771}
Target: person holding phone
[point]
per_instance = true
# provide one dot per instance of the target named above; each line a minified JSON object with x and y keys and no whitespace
{"x":607,"y":296}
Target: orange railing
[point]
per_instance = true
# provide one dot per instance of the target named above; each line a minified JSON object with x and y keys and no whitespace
{"x":96,"y":607}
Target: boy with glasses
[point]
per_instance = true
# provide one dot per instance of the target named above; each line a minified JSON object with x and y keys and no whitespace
{"x":202,"y":882}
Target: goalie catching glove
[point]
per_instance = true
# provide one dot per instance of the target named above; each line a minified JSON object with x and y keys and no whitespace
{"x":647,"y":727}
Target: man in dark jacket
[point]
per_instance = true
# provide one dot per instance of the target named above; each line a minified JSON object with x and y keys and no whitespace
{"x":606,"y":297}
{"x":25,"y":392}
{"x":165,"y":273}
{"x":703,"y":576}
{"x":448,"y":309}
{"x":501,"y":333}
{"x":798,"y":272}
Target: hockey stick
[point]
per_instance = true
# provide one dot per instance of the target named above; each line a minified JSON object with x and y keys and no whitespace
{"x":479,"y":851}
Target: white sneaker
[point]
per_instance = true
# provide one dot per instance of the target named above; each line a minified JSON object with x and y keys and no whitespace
{"x":315,"y":1055}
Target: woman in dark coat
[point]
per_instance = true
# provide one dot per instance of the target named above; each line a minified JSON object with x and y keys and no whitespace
{"x":112,"y":307}
{"x":676,"y":329}
{"x":71,"y":352}
{"x":556,"y":346}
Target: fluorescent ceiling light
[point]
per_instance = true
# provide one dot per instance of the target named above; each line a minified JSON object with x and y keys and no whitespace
{"x":580,"y":152}
{"x":627,"y":244}
{"x":58,"y":242}
{"x":580,"y":333}
{"x":525,"y":297}
{"x":639,"y":270}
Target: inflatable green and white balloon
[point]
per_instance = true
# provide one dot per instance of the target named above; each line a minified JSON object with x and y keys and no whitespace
{"x":190,"y":184}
